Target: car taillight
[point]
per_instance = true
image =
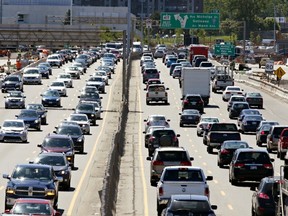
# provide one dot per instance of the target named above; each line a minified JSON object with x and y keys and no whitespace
{"x":151,"y":139}
{"x":268,"y":166}
{"x":228,"y":92}
{"x":200,"y":102}
{"x":147,"y":94}
{"x":225,"y":151}
{"x":166,"y":94}
{"x":157,"y":163}
{"x":239,"y":165}
{"x":148,"y":123}
{"x":186,"y":101}
{"x":263,"y":196}
{"x":185,"y":163}
{"x":262,"y":132}
{"x":161,"y":191}
{"x":175,"y":139}
{"x":206,"y":192}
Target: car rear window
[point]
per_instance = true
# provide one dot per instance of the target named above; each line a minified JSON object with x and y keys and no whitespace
{"x":224,"y":77}
{"x":241,"y":106}
{"x":254,"y":157}
{"x":159,"y":133}
{"x":278,"y":130}
{"x":183,"y":175}
{"x":156,"y":88}
{"x":196,"y":206}
{"x":224,"y":127}
{"x":172,"y":156}
{"x":193,"y":98}
{"x":149,"y":71}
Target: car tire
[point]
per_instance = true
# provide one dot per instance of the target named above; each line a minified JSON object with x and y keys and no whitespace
{"x":181,"y":125}
{"x":147,"y":102}
{"x":269,"y":149}
{"x":82,"y":149}
{"x":258,"y":143}
{"x":25,"y":141}
{"x":67,"y":185}
{"x":220,"y":165}
{"x":153,"y":183}
{"x":44,"y":121}
{"x":260,"y":107}
{"x":209,"y":149}
{"x":282,"y":155}
{"x":198,"y":134}
{"x":94,"y":123}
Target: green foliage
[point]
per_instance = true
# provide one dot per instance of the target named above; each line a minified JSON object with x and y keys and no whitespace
{"x":67,"y":18}
{"x":107,"y":35}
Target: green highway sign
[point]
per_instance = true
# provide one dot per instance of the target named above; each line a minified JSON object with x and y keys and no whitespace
{"x":189,"y":20}
{"x":224,"y":49}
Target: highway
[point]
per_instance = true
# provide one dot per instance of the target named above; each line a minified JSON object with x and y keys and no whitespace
{"x":136,"y":196}
{"x":97,"y":145}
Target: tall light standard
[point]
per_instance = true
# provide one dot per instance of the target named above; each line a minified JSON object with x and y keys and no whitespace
{"x":142,"y":33}
{"x":274,"y":30}
{"x":71,"y":7}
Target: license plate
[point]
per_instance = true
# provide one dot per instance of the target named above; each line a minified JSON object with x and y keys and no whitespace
{"x":193,"y":103}
{"x":190,"y":117}
{"x":253,"y":167}
{"x":254,"y":123}
{"x":156,"y":145}
{"x":50,"y":102}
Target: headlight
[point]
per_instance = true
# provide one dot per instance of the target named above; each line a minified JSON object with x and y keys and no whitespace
{"x":92,"y":115}
{"x":10,"y":190}
{"x":36,"y":121}
{"x":22,"y":132}
{"x":50,"y":192}
{"x":42,"y":116}
{"x":57,"y":99}
{"x":63,"y":172}
{"x":79,"y":139}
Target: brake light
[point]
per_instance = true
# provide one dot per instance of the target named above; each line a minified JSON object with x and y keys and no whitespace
{"x":157,"y":163}
{"x":263,"y":196}
{"x":239,"y":165}
{"x":228,"y":92}
{"x":166,"y":94}
{"x":151,"y":139}
{"x":262,"y":133}
{"x":175,"y":139}
{"x":268,"y":166}
{"x":225,"y":151}
{"x":161,"y":191}
{"x":185,"y":163}
{"x":200,"y":102}
{"x":186,"y":101}
{"x":206,"y":192}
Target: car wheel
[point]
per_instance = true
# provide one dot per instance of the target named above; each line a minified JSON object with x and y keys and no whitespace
{"x":269,"y":149}
{"x":198,"y":134}
{"x":258,"y":143}
{"x":67,"y":185}
{"x":147,"y":102}
{"x":153,"y":183}
{"x":220,"y":164}
{"x":94,"y":123}
{"x":82,"y":150}
{"x":39,"y":127}
{"x":260,"y":107}
{"x":209,"y":149}
{"x":282,"y":155}
{"x":44,"y":121}
{"x":25,"y":141}
{"x":6,"y":107}
{"x":181,"y":124}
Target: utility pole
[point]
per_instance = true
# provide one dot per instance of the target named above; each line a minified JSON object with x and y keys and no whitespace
{"x":129,"y":28}
{"x":274,"y":30}
{"x":142,"y":33}
{"x":71,"y":7}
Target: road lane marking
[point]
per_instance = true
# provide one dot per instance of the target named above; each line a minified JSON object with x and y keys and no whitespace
{"x":215,"y":181}
{"x":89,"y":162}
{"x":204,"y":163}
{"x":144,"y":185}
{"x":230,"y":207}
{"x":209,"y":171}
{"x":200,"y":156}
{"x":2,"y":187}
{"x":223,"y":193}
{"x":195,"y":150}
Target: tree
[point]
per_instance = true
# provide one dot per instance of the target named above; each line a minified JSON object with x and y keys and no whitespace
{"x":67,"y":18}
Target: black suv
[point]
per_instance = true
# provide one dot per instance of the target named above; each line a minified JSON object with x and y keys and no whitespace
{"x":12,"y":82}
{"x":193,"y":101}
{"x":31,"y":181}
{"x":89,"y":110}
{"x":250,"y":165}
{"x":264,"y":199}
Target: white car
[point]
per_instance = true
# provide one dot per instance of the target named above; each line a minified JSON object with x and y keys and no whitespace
{"x":81,"y":67}
{"x":32,"y":75}
{"x":82,"y":120}
{"x":60,"y":87}
{"x":54,"y":60}
{"x":231,"y":90}
{"x":156,"y":120}
{"x":204,"y":122}
{"x":103,"y":74}
{"x":66,"y":78}
{"x":13,"y":130}
{"x":74,"y":71}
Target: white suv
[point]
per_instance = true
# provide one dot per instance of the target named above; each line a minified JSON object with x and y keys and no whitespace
{"x":156,"y":92}
{"x":55,"y":60}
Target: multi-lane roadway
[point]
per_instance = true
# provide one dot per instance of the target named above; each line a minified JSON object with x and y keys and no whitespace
{"x":136,"y":196}
{"x":87,"y":178}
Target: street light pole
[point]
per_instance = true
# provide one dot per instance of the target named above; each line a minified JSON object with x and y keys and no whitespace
{"x":142,"y":33}
{"x":71,"y":7}
{"x":129,"y":28}
{"x":274,"y":30}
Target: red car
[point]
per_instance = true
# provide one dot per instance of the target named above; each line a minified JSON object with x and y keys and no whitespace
{"x":30,"y":206}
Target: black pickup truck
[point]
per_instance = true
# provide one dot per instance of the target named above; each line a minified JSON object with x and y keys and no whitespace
{"x":218,"y":133}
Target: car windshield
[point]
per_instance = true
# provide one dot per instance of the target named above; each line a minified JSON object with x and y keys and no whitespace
{"x":14,"y":94}
{"x":51,"y":160}
{"x":190,"y":112}
{"x":13,"y":124}
{"x":253,"y":118}
{"x":251,"y":112}
{"x":172,"y":156}
{"x":240,"y":106}
{"x":29,"y":114}
{"x":160,"y":133}
{"x":44,"y":64}
{"x":32,"y":72}
{"x":51,"y":93}
{"x":235,"y":145}
{"x":95,"y":79}
{"x":35,"y":106}
{"x":12,"y":78}
{"x":88,"y":107}
{"x":233,"y":89}
{"x":41,"y":173}
{"x":151,"y":71}
{"x":99,"y":73}
{"x":73,"y":131}
{"x":192,"y":206}
{"x":238,"y":99}
{"x":157,"y":118}
{"x":78,"y":118}
{"x":254,"y":95}
{"x":53,"y":57}
{"x":73,"y":68}
{"x":57,"y":142}
{"x":58,"y":84}
{"x":183,"y":175}
{"x":90,"y":95}
{"x":64,"y":76}
{"x":31,"y":209}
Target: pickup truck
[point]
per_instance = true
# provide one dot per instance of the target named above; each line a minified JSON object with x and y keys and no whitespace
{"x":221,"y":81}
{"x":218,"y":133}
{"x":181,"y":180}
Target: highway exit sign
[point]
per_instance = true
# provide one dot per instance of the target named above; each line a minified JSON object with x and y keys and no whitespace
{"x":189,"y":20}
{"x":226,"y":49}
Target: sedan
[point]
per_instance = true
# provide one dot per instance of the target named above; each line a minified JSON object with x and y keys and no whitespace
{"x":227,"y":150}
{"x":60,"y":87}
{"x":203,"y":124}
{"x":33,"y":206}
{"x":261,"y":134}
{"x":30,"y":118}
{"x":254,"y":99}
{"x":235,"y":98}
{"x":41,"y":110}
{"x":82,"y":120}
{"x":15,"y":99}
{"x":87,"y":109}
{"x":66,"y":78}
{"x":103,"y":74}
{"x":47,"y":65}
{"x":247,"y":112}
{"x":73,"y":71}
{"x":44,"y":71}
{"x":51,"y":98}
{"x":250,"y":123}
{"x":98,"y":82}
{"x":75,"y":132}
{"x":13,"y":130}
{"x":231,"y":90}
{"x":236,"y":109}
{"x":189,"y":117}
{"x":156,"y":120}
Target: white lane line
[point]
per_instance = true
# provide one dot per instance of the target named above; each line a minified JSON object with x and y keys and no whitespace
{"x":215,"y":181}
{"x":204,"y":163}
{"x":209,"y":171}
{"x":200,"y":156}
{"x":2,"y":187}
{"x":222,"y":193}
{"x":230,"y":207}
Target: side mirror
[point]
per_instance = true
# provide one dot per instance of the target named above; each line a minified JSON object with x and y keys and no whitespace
{"x":6,"y":176}
{"x":78,"y":96}
{"x":145,"y":89}
{"x":252,"y":188}
{"x":24,"y":96}
{"x":101,"y":97}
{"x":191,"y":158}
{"x":272,"y":159}
{"x":168,"y":120}
{"x":178,"y":135}
{"x":39,"y":145}
{"x":167,"y":88}
{"x":31,"y":162}
{"x":5,"y":97}
{"x":209,"y":178}
{"x":16,"y":116}
{"x":41,"y":94}
{"x":180,"y":113}
{"x":149,"y":158}
{"x":144,"y":132}
{"x":214,"y":207}
{"x":145,"y":120}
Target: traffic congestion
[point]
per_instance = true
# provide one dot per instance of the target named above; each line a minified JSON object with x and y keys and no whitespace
{"x":217,"y":138}
{"x":53,"y":117}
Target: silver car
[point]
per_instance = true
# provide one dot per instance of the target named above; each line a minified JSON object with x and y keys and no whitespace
{"x":156,"y":120}
{"x":82,"y":120}
{"x":13,"y":130}
{"x":15,"y":99}
{"x":204,"y":122}
{"x":98,"y":107}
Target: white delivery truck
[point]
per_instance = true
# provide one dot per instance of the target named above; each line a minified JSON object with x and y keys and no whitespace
{"x":196,"y":81}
